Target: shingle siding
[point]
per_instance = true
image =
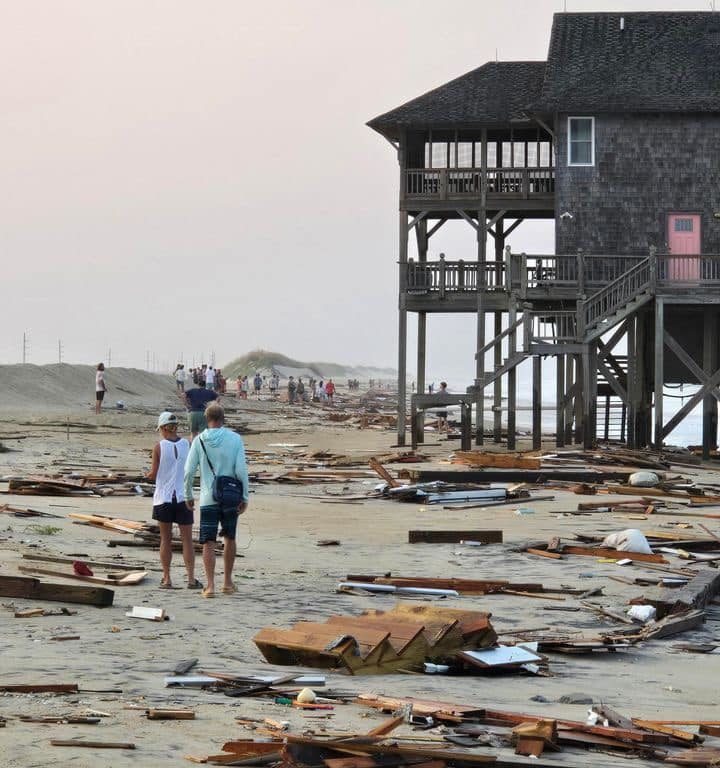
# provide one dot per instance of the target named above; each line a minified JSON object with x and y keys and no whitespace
{"x":646,"y":166}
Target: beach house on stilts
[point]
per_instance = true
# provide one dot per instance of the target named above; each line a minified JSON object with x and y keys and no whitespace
{"x":616,"y":138}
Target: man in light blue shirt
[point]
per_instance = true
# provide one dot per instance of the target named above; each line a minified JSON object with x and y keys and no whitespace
{"x":218,"y":451}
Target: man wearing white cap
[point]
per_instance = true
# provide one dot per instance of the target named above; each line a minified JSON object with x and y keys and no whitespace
{"x":167,"y":471}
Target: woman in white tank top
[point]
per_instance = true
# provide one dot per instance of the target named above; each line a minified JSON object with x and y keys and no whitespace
{"x":167,"y":471}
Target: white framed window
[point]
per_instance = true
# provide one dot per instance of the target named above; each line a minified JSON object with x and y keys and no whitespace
{"x":581,"y":141}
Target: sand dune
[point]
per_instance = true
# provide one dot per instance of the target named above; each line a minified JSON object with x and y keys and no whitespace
{"x":63,"y":386}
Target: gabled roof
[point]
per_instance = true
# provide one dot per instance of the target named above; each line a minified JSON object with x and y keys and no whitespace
{"x":491,"y":95}
{"x":664,"y":62}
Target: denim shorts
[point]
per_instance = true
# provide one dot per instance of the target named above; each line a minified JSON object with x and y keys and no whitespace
{"x":213,"y":516}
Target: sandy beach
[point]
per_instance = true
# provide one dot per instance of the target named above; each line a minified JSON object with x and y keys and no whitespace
{"x":120,"y":663}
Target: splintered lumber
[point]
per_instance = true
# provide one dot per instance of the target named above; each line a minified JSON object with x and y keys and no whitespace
{"x":113,"y":580}
{"x":145,"y":612}
{"x":92,"y":744}
{"x":497,"y":460}
{"x":696,"y":594}
{"x":613,"y":554}
{"x":378,"y":642}
{"x":702,"y":756}
{"x":463,"y":586}
{"x":41,"y":688}
{"x":454,"y":537}
{"x":544,"y":553}
{"x":115,"y":523}
{"x":675,"y":733}
{"x":41,"y":485}
{"x":674,"y":624}
{"x":34,"y":589}
{"x":439,"y":710}
{"x":376,"y":466}
{"x":494,"y":475}
{"x":355,"y":746}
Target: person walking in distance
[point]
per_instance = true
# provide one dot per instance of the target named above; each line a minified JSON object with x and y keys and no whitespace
{"x":180,"y":376}
{"x":330,"y":391}
{"x":220,"y":454}
{"x":292,"y":389}
{"x":167,"y":472}
{"x":196,"y":400}
{"x":100,"y":387}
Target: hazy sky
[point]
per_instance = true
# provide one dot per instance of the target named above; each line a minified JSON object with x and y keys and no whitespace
{"x":181,"y":177}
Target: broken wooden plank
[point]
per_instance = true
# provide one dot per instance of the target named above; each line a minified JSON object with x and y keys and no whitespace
{"x":92,"y":744}
{"x":454,"y":537}
{"x":40,"y":688}
{"x":116,"y":580}
{"x":34,"y":589}
{"x":613,"y":554}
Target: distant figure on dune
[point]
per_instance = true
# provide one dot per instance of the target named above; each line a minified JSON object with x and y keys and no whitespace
{"x":100,"y":387}
{"x":180,"y":376}
{"x":330,"y":391}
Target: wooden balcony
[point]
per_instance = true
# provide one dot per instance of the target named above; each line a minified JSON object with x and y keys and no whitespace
{"x":501,"y":185}
{"x":452,"y":286}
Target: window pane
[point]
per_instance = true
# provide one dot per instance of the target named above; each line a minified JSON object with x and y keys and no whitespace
{"x":581,"y":152}
{"x":581,"y":129}
{"x":464,"y":154}
{"x":439,"y":154}
{"x":683,"y":225}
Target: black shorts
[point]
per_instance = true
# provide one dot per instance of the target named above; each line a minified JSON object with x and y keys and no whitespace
{"x":173,"y":512}
{"x":99,"y":395}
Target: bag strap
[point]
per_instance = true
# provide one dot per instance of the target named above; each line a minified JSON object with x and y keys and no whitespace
{"x":202,"y":445}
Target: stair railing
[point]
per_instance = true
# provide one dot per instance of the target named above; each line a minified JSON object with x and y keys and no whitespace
{"x":615,"y":295}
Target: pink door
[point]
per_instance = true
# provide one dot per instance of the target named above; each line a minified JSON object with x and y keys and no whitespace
{"x":684,"y":242}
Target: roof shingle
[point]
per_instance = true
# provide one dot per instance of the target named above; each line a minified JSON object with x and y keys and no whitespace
{"x":491,"y":95}
{"x":659,"y":62}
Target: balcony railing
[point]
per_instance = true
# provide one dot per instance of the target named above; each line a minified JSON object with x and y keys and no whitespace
{"x":688,"y":269}
{"x":464,"y":183}
{"x":441,"y":277}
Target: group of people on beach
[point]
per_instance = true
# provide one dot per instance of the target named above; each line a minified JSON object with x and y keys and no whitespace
{"x":205,"y":375}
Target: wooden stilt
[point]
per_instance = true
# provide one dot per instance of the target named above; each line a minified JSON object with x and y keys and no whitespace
{"x":710,"y":364}
{"x":559,"y":401}
{"x":537,"y":403}
{"x":419,"y":421}
{"x":480,"y":356}
{"x":579,"y":390}
{"x":659,"y":370}
{"x":512,"y":379}
{"x":402,"y":331}
{"x":497,"y":386}
{"x":569,"y":411}
{"x":632,"y":382}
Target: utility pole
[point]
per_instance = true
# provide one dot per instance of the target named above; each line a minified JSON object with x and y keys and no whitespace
{"x":26,"y":344}
{"x":60,"y":350}
{"x":147,"y":360}
{"x":109,"y":357}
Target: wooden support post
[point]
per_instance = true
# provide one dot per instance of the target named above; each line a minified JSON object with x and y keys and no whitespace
{"x":560,"y":401}
{"x":497,"y":385}
{"x":537,"y":403}
{"x":579,"y":390}
{"x":569,"y":412}
{"x":589,"y":396}
{"x":465,"y":427}
{"x":632,"y":382}
{"x":643,"y":412}
{"x":512,"y":377}
{"x":497,"y":351}
{"x":659,"y":369}
{"x":481,"y":246}
{"x":402,"y":322}
{"x":710,"y":364}
{"x":418,"y":421}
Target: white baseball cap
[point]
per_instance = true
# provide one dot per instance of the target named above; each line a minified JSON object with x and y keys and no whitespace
{"x":166,"y":419}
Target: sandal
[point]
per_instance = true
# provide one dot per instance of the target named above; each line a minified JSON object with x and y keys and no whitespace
{"x":166,"y":585}
{"x":231,"y":590}
{"x":197,"y":584}
{"x":207,"y":593}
